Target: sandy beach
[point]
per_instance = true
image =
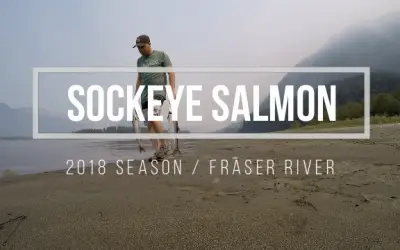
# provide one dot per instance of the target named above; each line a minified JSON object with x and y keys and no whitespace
{"x":349,"y":199}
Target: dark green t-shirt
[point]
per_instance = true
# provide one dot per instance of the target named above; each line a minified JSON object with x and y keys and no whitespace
{"x":156,"y":59}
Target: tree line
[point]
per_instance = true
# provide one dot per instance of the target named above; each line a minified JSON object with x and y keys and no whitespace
{"x":384,"y":97}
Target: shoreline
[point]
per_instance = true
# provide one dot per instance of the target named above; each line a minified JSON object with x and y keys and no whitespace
{"x":185,"y":147}
{"x":13,"y":173}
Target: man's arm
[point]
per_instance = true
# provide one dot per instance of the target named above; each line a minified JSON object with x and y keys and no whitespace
{"x":139,"y":78}
{"x":138,"y":82}
{"x":171,"y":75}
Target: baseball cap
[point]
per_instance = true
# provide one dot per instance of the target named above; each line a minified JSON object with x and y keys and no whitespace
{"x":141,"y":40}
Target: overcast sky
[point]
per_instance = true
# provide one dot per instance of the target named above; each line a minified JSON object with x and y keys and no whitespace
{"x":47,"y":33}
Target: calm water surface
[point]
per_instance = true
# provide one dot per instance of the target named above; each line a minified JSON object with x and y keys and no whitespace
{"x":28,"y":156}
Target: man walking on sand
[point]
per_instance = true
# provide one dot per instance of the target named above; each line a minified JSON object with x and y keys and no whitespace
{"x":154,"y":58}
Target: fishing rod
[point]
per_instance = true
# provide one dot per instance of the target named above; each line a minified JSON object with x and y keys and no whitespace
{"x":173,"y":127}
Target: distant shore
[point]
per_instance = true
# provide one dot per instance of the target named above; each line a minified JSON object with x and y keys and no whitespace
{"x":351,"y":123}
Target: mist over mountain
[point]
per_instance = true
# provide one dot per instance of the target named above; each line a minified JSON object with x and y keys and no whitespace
{"x":17,"y":122}
{"x":375,"y":45}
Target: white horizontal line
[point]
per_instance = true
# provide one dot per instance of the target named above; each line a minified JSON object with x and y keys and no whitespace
{"x":220,"y":136}
{"x":202,"y":69}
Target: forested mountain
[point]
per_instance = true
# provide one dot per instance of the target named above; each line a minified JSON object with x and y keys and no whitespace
{"x":374,"y":45}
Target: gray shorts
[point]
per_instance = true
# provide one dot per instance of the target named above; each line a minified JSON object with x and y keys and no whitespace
{"x":156,"y":109}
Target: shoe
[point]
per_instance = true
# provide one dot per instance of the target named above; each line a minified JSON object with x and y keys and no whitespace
{"x":156,"y":156}
{"x":160,"y":154}
{"x":168,"y":151}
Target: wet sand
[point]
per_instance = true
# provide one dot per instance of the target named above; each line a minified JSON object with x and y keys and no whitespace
{"x":353,"y":203}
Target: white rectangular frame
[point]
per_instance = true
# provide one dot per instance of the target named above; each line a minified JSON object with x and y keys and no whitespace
{"x":130,"y":136}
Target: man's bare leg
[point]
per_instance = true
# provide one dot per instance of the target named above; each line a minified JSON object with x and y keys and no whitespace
{"x":159,"y":128}
{"x":164,"y":148}
{"x":154,"y":142}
